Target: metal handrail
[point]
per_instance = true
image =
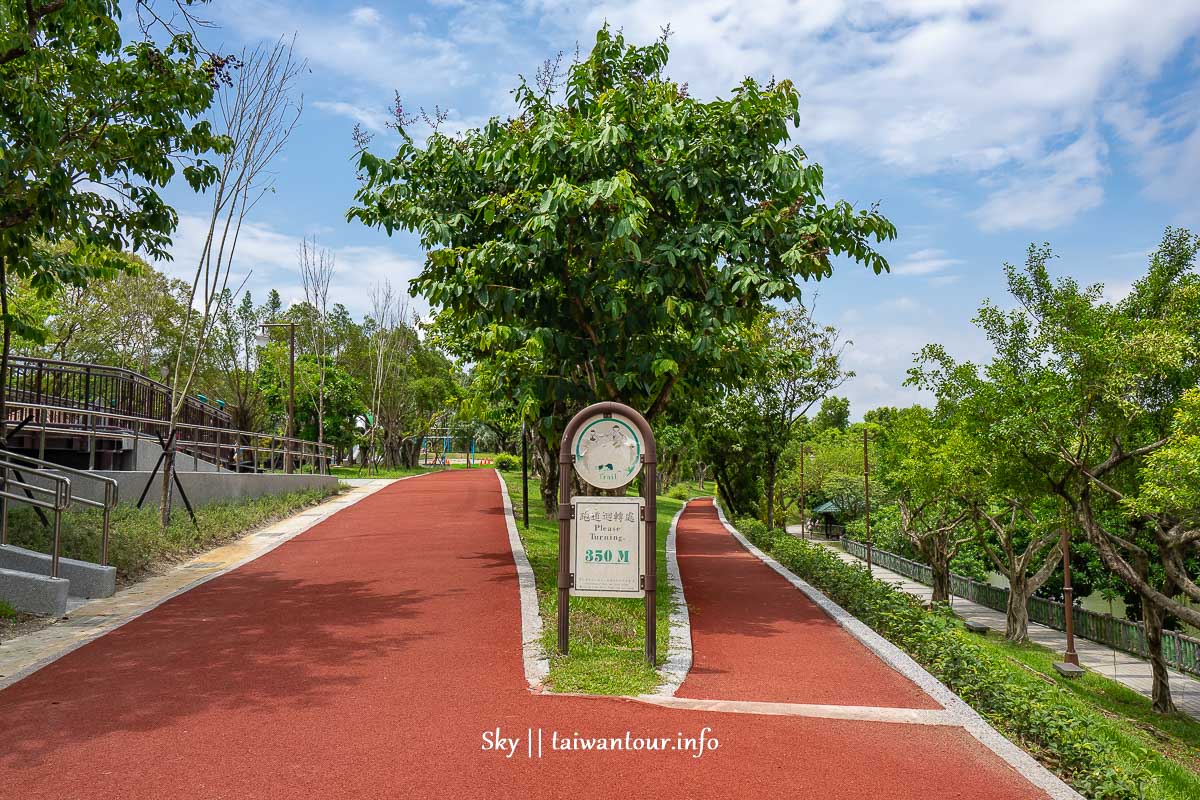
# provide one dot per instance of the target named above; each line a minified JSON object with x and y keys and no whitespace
{"x":320,"y":456}
{"x":62,"y":500}
{"x":42,"y":367}
{"x":107,"y":505}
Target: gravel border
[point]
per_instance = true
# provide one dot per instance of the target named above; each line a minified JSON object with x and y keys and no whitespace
{"x":679,"y":649}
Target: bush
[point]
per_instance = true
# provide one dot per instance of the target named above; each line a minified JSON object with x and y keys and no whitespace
{"x":507,"y":462}
{"x":679,"y":491}
{"x":1035,"y":716}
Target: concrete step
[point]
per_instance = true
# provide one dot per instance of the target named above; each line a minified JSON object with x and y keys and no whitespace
{"x":85,"y":578}
{"x":34,"y":594}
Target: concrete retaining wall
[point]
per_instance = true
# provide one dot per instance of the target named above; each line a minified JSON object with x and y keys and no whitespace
{"x":201,"y":487}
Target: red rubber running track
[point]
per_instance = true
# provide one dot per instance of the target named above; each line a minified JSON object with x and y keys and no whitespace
{"x":366,"y":657}
{"x":755,"y":637}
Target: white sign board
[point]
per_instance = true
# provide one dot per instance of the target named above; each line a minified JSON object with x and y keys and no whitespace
{"x":607,"y":556}
{"x":607,"y":451}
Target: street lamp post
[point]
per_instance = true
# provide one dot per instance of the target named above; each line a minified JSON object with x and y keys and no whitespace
{"x":291,"y":426}
{"x":867,"y":496}
{"x":1070,"y":657}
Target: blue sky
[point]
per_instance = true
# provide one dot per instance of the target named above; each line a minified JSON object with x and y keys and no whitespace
{"x":979,"y":127}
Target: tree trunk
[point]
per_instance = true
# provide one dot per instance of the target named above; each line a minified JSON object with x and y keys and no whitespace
{"x":546,"y":459}
{"x":772,"y":466}
{"x":1153,"y":618}
{"x":940,"y":567}
{"x":1016,"y":612}
{"x":168,"y":467}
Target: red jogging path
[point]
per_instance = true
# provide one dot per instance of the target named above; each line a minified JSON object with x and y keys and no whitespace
{"x":756,"y":637}
{"x":367,"y":656}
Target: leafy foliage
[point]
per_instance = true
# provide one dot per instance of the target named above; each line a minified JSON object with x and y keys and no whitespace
{"x":1036,"y":715}
{"x":614,"y":243}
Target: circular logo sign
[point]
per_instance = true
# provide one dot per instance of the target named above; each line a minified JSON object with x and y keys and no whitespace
{"x":608,"y":451}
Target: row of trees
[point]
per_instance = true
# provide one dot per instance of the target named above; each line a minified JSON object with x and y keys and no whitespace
{"x":373,"y":382}
{"x":1082,"y":429}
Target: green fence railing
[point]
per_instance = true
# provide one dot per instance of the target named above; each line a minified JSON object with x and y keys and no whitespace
{"x":1180,"y":651}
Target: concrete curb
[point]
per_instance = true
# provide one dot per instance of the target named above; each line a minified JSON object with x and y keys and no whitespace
{"x":679,"y":648}
{"x":336,"y":504}
{"x":537,"y":666}
{"x":900,"y":661}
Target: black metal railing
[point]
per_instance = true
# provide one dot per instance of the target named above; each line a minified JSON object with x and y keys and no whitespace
{"x":1181,"y":652}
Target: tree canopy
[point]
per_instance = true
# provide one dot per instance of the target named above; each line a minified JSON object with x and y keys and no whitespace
{"x":613,"y":239}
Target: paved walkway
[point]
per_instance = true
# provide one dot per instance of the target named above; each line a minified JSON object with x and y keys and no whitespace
{"x":1122,"y":667}
{"x":377,"y":653}
{"x":754,"y":637}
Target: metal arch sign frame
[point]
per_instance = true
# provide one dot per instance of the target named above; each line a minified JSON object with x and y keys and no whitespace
{"x":615,"y":469}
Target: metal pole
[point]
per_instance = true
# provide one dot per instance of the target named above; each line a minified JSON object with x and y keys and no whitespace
{"x":564,"y":547}
{"x":108,"y":504}
{"x":291,"y":395}
{"x":3,"y":506}
{"x":803,"y":516}
{"x":57,"y":539}
{"x":524,"y":476}
{"x":867,"y":496}
{"x":650,"y":461}
{"x":1071,"y":657}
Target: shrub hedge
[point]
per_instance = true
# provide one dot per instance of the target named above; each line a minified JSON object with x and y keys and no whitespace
{"x":1035,"y":715}
{"x":506,"y":462}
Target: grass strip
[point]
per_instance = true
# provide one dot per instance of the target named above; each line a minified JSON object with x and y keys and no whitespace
{"x":607,"y":634}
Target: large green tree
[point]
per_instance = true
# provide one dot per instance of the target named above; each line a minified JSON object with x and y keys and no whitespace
{"x":794,"y":363}
{"x":91,"y":128}
{"x":1085,"y":391}
{"x":921,"y":465}
{"x":612,"y":240}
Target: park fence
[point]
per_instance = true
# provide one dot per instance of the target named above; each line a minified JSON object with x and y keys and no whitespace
{"x":1180,"y":651}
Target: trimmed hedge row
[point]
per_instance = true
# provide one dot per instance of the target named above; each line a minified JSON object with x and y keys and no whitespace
{"x":1032,"y":714}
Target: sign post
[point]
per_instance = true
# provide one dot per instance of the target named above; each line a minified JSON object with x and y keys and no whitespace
{"x":600,"y":553}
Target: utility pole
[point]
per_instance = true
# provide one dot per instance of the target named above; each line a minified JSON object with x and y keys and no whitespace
{"x":867,"y":496}
{"x":803,"y":493}
{"x":524,"y":476}
{"x":1070,"y":657}
{"x":291,"y":426}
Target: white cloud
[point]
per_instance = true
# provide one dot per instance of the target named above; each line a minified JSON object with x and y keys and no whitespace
{"x":371,"y":119}
{"x":1050,"y":192}
{"x":940,"y":86}
{"x":365,"y":15}
{"x":361,"y":46}
{"x":267,"y":258}
{"x":925,"y":262}
{"x":883,"y":351}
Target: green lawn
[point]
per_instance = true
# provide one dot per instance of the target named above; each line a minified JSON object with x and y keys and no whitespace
{"x":390,"y":472}
{"x":1168,"y":747}
{"x":607,"y":635}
